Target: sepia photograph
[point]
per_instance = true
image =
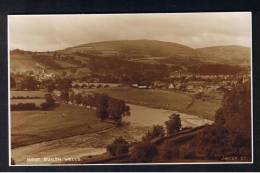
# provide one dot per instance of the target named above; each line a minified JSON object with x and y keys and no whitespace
{"x":143,"y":88}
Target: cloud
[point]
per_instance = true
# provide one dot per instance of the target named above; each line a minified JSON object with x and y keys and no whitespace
{"x":51,"y":32}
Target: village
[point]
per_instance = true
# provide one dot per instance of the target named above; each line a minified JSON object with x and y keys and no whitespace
{"x":182,"y":82}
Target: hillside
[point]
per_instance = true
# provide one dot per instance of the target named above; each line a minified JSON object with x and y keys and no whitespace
{"x":22,"y":61}
{"x":144,"y":55}
{"x":151,"y":48}
{"x":232,"y":55}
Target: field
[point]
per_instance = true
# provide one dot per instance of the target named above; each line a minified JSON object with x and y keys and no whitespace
{"x":37,"y":102}
{"x":29,"y":127}
{"x":28,"y":94}
{"x":162,"y":99}
{"x":151,"y":98}
{"x":90,"y":144}
{"x":22,"y":63}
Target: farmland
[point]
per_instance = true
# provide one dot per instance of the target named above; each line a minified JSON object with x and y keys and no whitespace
{"x":91,"y":143}
{"x":29,"y":127}
{"x":28,"y":94}
{"x":36,"y":101}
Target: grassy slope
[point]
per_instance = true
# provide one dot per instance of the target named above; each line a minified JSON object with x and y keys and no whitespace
{"x":159,"y":99}
{"x":30,"y":127}
{"x":144,"y":47}
{"x":20,"y":62}
{"x":233,"y":55}
{"x":150,"y":98}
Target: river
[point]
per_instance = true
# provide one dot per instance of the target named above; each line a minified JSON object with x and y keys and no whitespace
{"x":142,"y":118}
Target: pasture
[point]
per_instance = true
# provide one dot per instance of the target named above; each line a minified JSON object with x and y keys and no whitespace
{"x":170,"y":100}
{"x":149,"y":97}
{"x":37,"y":102}
{"x":30,"y":127}
{"x":40,"y":94}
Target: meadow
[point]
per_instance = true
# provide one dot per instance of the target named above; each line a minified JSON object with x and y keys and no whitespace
{"x":164,"y":99}
{"x":30,"y":127}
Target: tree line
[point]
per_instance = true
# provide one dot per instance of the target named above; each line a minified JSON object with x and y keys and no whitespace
{"x":106,"y":107}
{"x":48,"y":104}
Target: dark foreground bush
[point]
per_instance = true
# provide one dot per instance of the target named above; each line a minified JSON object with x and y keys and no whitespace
{"x":118,"y":147}
{"x":169,"y":152}
{"x":143,"y":152}
{"x":216,"y":143}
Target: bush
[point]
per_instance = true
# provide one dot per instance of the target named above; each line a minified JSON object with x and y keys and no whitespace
{"x":173,"y":125}
{"x":23,"y":107}
{"x":143,"y":152}
{"x":157,"y":131}
{"x":118,"y":147}
{"x":49,"y":103}
{"x":170,"y":152}
{"x":216,"y":142}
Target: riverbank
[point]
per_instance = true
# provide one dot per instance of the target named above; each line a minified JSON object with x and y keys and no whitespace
{"x":31,"y":127}
{"x":165,"y":99}
{"x":92,"y":144}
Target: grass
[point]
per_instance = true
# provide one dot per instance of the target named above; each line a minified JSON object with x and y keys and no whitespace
{"x":151,"y":98}
{"x":30,"y":127}
{"x":37,"y":102}
{"x":205,"y":109}
{"x":20,"y":62}
{"x":28,"y":94}
{"x":163,"y":99}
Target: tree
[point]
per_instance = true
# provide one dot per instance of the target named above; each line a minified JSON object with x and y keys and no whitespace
{"x":157,"y":131}
{"x":50,"y":85}
{"x":116,"y":109}
{"x":65,"y":95}
{"x":49,"y":102}
{"x":119,"y":146}
{"x":29,"y":83}
{"x":235,"y":113}
{"x":102,"y":105}
{"x":143,"y":152}
{"x":64,"y":83}
{"x":230,"y":135}
{"x":78,"y":98}
{"x":173,"y":125}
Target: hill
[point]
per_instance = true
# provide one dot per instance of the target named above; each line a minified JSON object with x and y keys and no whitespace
{"x":132,"y":55}
{"x":151,"y":48}
{"x":232,"y":55}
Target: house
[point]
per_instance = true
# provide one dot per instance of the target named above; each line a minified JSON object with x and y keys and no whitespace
{"x":142,"y":86}
{"x":171,"y":86}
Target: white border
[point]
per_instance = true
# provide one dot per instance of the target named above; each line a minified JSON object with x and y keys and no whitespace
{"x":194,"y":163}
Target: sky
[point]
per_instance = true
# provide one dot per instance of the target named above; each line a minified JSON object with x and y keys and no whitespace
{"x":196,"y":30}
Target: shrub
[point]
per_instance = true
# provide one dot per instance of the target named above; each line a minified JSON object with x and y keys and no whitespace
{"x":157,"y":131}
{"x":216,"y":142}
{"x":49,"y":102}
{"x":24,"y":107}
{"x":170,"y":152}
{"x":118,"y":147}
{"x":143,"y":152}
